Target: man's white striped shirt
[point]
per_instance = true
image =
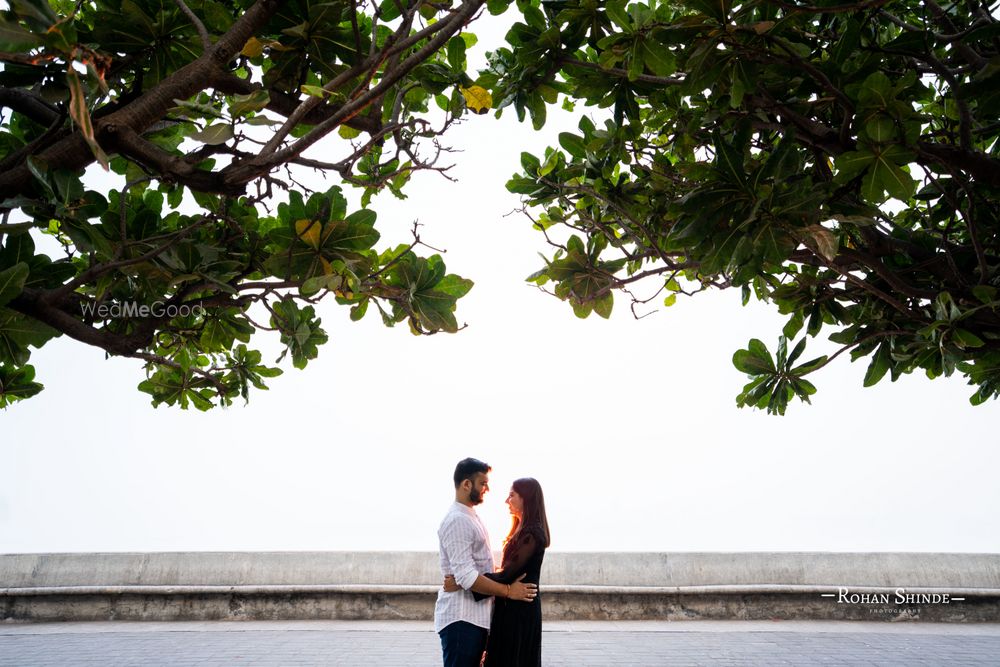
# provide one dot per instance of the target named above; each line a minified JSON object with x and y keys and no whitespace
{"x":465,"y":553}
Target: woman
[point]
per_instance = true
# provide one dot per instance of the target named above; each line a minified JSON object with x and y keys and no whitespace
{"x":516,"y":629}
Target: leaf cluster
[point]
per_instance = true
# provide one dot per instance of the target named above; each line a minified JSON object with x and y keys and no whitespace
{"x":203,"y":111}
{"x":838,"y":161}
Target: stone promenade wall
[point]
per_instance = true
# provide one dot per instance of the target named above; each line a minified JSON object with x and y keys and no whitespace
{"x":598,"y":586}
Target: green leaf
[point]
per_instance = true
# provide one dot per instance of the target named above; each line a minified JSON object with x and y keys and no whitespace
{"x":551,"y":161}
{"x":794,"y":325}
{"x":529,"y":163}
{"x":636,"y":65}
{"x":604,"y":305}
{"x":454,"y":286}
{"x":796,"y":353}
{"x":889,"y":177}
{"x":582,"y":310}
{"x":852,"y":163}
{"x":980,"y":397}
{"x":729,"y":160}
{"x":12,"y":282}
{"x":176,"y":387}
{"x":314,"y":91}
{"x":200,"y":109}
{"x":759,"y":350}
{"x":964,"y":338}
{"x":16,"y":384}
{"x":263,"y":120}
{"x":241,"y":105}
{"x":717,"y":9}
{"x":775,"y":161}
{"x":755,"y":360}
{"x":300,"y":331}
{"x":456,"y":53}
{"x":782,"y":352}
{"x":615,"y":10}
{"x":346,"y":132}
{"x":328,"y":281}
{"x":880,"y":128}
{"x":878,"y":366}
{"x":754,"y":390}
{"x":847,"y":46}
{"x":803,"y":389}
{"x":658,"y":59}
{"x":573,"y":144}
{"x":36,"y":11}
{"x":358,"y":311}
{"x":985,"y":293}
{"x":23,"y":330}
{"x":15,"y":39}
{"x":876,"y":91}
{"x":214,"y":135}
{"x":389,"y":10}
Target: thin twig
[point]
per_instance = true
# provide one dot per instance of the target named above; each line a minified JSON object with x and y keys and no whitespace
{"x":206,"y":43}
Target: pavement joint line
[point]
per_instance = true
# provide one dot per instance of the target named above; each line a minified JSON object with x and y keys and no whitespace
{"x":553,"y":628}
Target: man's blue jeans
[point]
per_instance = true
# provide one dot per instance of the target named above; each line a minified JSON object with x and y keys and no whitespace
{"x":463,"y":644}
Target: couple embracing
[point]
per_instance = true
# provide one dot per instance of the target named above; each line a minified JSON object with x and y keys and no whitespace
{"x":481,"y":607}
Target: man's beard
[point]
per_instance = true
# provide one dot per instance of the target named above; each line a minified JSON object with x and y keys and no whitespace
{"x":475,"y":496}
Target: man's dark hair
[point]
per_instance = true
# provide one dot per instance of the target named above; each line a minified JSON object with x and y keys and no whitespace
{"x":467,"y":469}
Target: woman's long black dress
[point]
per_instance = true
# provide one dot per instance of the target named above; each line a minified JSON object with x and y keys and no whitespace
{"x":516,"y":629}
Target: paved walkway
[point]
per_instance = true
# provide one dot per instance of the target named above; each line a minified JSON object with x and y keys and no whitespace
{"x":413,"y":644}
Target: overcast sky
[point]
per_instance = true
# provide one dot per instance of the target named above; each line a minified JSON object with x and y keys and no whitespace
{"x":630,"y":426}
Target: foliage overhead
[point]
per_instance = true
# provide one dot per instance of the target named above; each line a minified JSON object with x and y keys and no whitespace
{"x":217,"y":102}
{"x":838,"y":160}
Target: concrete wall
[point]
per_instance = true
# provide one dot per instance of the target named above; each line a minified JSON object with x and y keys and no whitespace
{"x":403,"y":585}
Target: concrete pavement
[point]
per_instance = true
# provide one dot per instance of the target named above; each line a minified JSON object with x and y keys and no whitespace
{"x":565,"y":643}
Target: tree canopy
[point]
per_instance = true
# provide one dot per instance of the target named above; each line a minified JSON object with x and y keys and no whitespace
{"x":217,"y":101}
{"x":836,"y":160}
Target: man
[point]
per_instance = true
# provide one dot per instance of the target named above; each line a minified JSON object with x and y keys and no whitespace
{"x":461,"y":621}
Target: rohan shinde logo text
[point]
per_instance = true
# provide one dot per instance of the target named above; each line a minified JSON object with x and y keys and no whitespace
{"x":898,"y":596}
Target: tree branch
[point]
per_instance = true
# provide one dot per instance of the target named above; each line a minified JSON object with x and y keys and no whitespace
{"x":101,"y":269}
{"x":396,"y":43}
{"x":876,"y":266}
{"x":167,"y":166}
{"x":445,"y":29}
{"x":645,"y":78}
{"x":834,"y":9}
{"x":942,"y":19}
{"x":30,"y":105}
{"x":285,"y":105}
{"x":980,"y":166}
{"x":73,"y":153}
{"x":206,"y":43}
{"x":878,"y":334}
{"x":31,"y":302}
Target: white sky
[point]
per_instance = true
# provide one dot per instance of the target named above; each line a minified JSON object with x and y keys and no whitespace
{"x":630,"y":426}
